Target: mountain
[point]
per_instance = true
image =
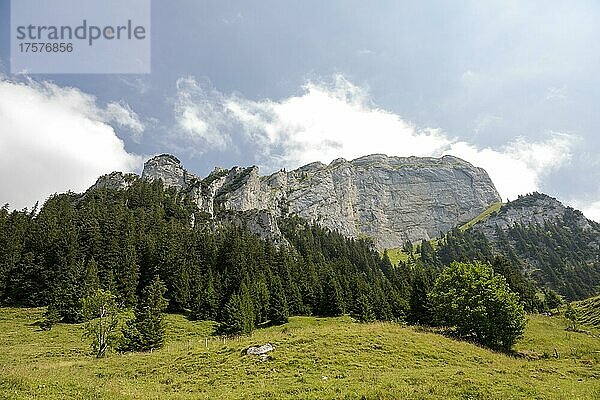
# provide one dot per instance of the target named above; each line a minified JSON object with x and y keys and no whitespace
{"x":553,"y":244}
{"x":388,"y":199}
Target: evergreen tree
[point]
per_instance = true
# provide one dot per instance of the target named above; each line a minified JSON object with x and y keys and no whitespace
{"x":278,"y":307}
{"x":232,"y":321}
{"x":147,"y":330}
{"x":419,"y":304}
{"x":332,"y":301}
{"x":262,"y":299}
{"x":247,"y":309}
{"x":128,"y":275}
{"x":205,"y":302}
{"x":362,"y":309}
{"x":91,"y":282}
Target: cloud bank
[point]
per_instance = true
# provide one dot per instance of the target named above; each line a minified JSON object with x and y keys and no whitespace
{"x":55,"y":139}
{"x":327,"y":121}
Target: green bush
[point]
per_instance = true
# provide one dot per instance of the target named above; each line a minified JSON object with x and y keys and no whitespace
{"x":102,"y":319}
{"x":479,"y":304}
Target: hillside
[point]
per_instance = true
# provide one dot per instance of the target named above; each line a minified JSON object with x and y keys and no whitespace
{"x":553,"y":244}
{"x":542,"y":240}
{"x":314,"y":358}
{"x":588,"y":311}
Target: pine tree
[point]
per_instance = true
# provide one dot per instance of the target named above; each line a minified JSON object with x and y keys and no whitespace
{"x":332,"y":302}
{"x":147,"y":330}
{"x":232,"y":320}
{"x":278,"y":307}
{"x":128,"y":276}
{"x":419,"y":304}
{"x":205,"y":302}
{"x":91,"y":282}
{"x":261,"y":299}
{"x":247,"y":309}
{"x":362,"y":309}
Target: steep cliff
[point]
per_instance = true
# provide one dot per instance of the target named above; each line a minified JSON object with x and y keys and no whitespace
{"x":389,"y":199}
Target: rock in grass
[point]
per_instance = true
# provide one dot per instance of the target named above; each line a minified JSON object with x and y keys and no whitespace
{"x":259,"y":350}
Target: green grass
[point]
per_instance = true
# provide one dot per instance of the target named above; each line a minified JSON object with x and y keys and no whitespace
{"x":314,"y":358}
{"x":589,"y":311}
{"x":493,"y":208}
{"x":398,"y":254}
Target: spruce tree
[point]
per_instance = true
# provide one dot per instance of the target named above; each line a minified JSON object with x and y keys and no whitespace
{"x":362,"y":309}
{"x":147,"y":330}
{"x":232,"y":320}
{"x":278,"y":307}
{"x":247,"y":309}
{"x":331,"y":300}
{"x":419,"y":304}
{"x":205,"y":301}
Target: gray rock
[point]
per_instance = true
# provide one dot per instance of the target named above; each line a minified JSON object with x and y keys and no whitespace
{"x":114,"y":180}
{"x":259,"y":350}
{"x":532,"y":209}
{"x":389,"y":199}
{"x":168,"y":169}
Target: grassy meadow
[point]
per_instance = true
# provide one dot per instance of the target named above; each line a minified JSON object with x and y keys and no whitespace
{"x":325,"y":358}
{"x":588,"y":311}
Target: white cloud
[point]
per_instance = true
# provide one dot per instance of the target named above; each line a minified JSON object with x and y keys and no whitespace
{"x":518,"y":167}
{"x":325,"y":122}
{"x":54,"y":139}
{"x":592,"y":211}
{"x":556,"y":93}
{"x":199,"y":114}
{"x":124,"y":116}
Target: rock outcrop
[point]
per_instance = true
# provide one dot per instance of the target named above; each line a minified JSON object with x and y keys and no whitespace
{"x":389,"y":199}
{"x":114,"y":180}
{"x":531,"y":209}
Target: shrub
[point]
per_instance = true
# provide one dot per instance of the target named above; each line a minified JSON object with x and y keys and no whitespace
{"x":479,"y":304}
{"x":101,"y":316}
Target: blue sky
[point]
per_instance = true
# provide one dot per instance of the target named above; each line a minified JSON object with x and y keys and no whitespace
{"x":509,"y":86}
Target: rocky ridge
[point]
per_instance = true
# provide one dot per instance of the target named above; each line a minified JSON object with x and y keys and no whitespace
{"x":531,"y":209}
{"x":389,"y":199}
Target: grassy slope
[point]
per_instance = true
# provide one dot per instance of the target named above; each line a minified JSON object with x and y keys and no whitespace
{"x":493,"y":208}
{"x":314,"y":358}
{"x":397,"y":254}
{"x":589,"y":311}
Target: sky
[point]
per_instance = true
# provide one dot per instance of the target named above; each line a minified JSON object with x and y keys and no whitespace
{"x":510,"y":86}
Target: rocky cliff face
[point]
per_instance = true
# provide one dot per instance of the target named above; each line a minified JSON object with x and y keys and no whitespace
{"x":532,"y":209}
{"x":389,"y":199}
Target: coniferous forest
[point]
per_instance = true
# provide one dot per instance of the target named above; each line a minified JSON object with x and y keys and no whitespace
{"x":123,"y":240}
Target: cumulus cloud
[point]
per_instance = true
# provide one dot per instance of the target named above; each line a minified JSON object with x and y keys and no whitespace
{"x":326,"y":121}
{"x":518,"y":167}
{"x":54,"y":139}
{"x":199,"y":114}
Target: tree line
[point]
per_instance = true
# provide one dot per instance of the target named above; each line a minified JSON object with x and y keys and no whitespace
{"x":121,"y":245}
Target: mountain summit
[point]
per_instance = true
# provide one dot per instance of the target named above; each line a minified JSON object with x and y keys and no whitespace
{"x":390,"y":199}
